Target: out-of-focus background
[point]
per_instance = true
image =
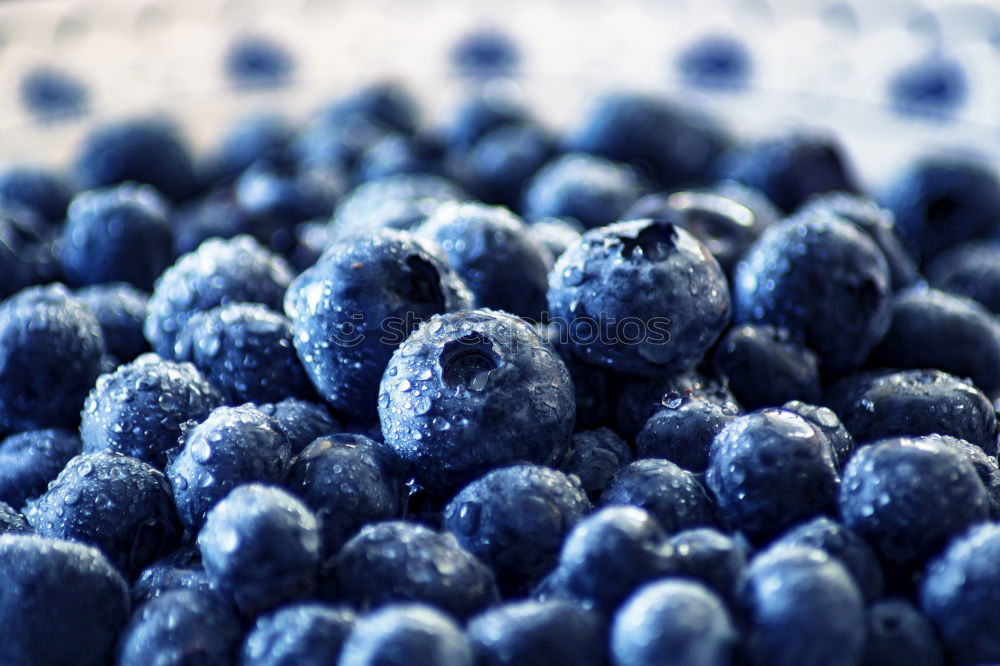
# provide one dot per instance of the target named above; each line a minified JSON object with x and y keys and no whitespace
{"x":891,"y":76}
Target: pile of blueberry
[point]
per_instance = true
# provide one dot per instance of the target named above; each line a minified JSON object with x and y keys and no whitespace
{"x":370,"y":393}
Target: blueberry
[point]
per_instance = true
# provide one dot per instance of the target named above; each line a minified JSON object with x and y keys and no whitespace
{"x":959,"y":589}
{"x":122,"y":151}
{"x":51,"y":94}
{"x":912,"y":403}
{"x":336,"y":143}
{"x":480,"y":114}
{"x":673,"y":621}
{"x":27,"y":250}
{"x":934,"y":329}
{"x":710,"y":557}
{"x":556,"y":235}
{"x":877,"y":222}
{"x":358,"y":303}
{"x":769,"y":470}
{"x":715,"y":61}
{"x":971,"y":270}
{"x":493,"y":252}
{"x":248,"y":139}
{"x":470,"y":391}
{"x":940,"y":201}
{"x":31,"y":459}
{"x":765,"y":368}
{"x":64,"y":602}
{"x":44,"y":192}
{"x":411,"y":634}
{"x":986,"y":467}
{"x":591,"y":386}
{"x":643,"y":297}
{"x":217,"y":273}
{"x":120,"y":309}
{"x":899,"y":635}
{"x":607,"y":556}
{"x":179,"y":570}
{"x":802,"y":609}
{"x":284,"y":194}
{"x":347,"y":480}
{"x":844,"y":545}
{"x":216,"y":215}
{"x":11,"y":521}
{"x":51,"y":352}
{"x":383,"y":102}
{"x":669,"y":143}
{"x":234,"y":445}
{"x":825,"y":419}
{"x":594,"y":456}
{"x":639,"y":400}
{"x":398,"y":561}
{"x":673,"y":496}
{"x":824,"y":280}
{"x":113,"y":502}
{"x":262,"y":546}
{"x":682,"y":430}
{"x":181,"y":627}
{"x":503,"y":160}
{"x":485,"y":53}
{"x":401,"y":201}
{"x":908,"y":497}
{"x":791,"y":167}
{"x":140,"y":408}
{"x":300,"y":421}
{"x":934,"y":85}
{"x":394,"y":154}
{"x":589,"y":189}
{"x":307,"y":634}
{"x":254,"y":61}
{"x":116,"y":234}
{"x":515,"y":518}
{"x":537,"y":633}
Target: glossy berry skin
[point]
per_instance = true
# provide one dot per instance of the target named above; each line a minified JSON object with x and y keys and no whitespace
{"x":594,"y":456}
{"x":262,"y":546}
{"x":900,"y":635}
{"x":765,"y":368}
{"x":824,"y":280}
{"x":384,"y":102}
{"x":400,"y":201}
{"x":640,"y":399}
{"x":590,"y":385}
{"x":51,"y":351}
{"x":120,"y":309}
{"x":670,"y":144}
{"x":673,"y":621}
{"x":348,"y":481}
{"x":503,"y":161}
{"x":179,"y":570}
{"x":353,"y":308}
{"x":673,"y":496}
{"x":802,"y":609}
{"x":246,"y":351}
{"x":607,"y":556}
{"x":769,"y":470}
{"x":118,"y":504}
{"x":30,"y":459}
{"x":411,"y":634}
{"x":824,"y":418}
{"x":589,"y":189}
{"x":515,"y":518}
{"x":710,"y":557}
{"x":934,"y":329}
{"x":248,"y":139}
{"x":234,"y":445}
{"x":27,"y":250}
{"x":181,"y":627}
{"x":12,"y":522}
{"x":400,"y":561}
{"x":306,"y":634}
{"x":118,"y":234}
{"x":790,"y":168}
{"x":985,"y":465}
{"x":121,"y":151}
{"x":470,"y":391}
{"x":491,"y":249}
{"x":650,"y":271}
{"x":909,"y":497}
{"x":911,"y":403}
{"x":140,"y":408}
{"x":940,"y":201}
{"x":301,"y":421}
{"x":44,"y":192}
{"x":971,"y":270}
{"x":844,"y":545}
{"x":217,"y":273}
{"x":682,"y":430}
{"x":63,"y":603}
{"x":959,"y":587}
{"x":537,"y":633}
{"x":478,"y":115}
{"x":278,"y":194}
{"x":879,"y":223}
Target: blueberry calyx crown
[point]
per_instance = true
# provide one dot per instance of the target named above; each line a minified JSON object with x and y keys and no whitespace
{"x":655,"y":241}
{"x":469,"y":361}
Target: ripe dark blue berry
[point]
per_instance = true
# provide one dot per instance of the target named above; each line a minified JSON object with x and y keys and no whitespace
{"x":120,"y":309}
{"x":594,"y":456}
{"x":31,"y":459}
{"x":12,"y":522}
{"x":412,"y":634}
{"x":899,"y":635}
{"x":589,"y":189}
{"x":710,"y":557}
{"x":400,"y":201}
{"x":306,"y":634}
{"x":179,"y":570}
{"x":40,"y":190}
{"x":824,"y":418}
{"x":971,"y":270}
{"x":682,"y":430}
{"x":300,"y":421}
{"x":674,"y":496}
